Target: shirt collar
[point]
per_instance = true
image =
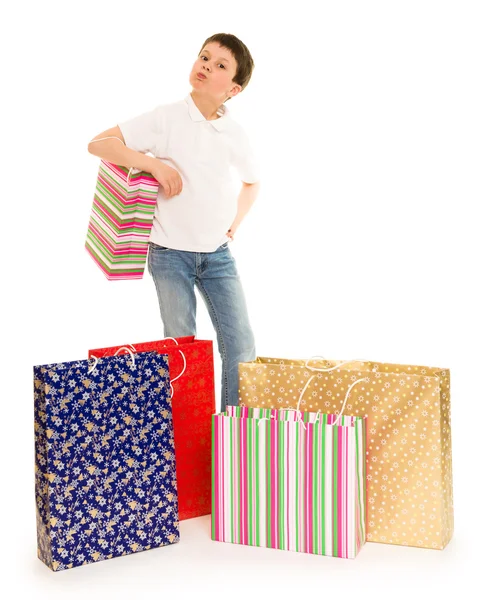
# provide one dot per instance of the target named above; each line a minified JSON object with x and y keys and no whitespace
{"x":196,"y":115}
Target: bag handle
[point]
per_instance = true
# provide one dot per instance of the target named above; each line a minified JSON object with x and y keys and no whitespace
{"x":298,"y":412}
{"x":113,"y":137}
{"x":181,"y":352}
{"x":129,"y":351}
{"x":96,"y":360}
{"x":325,"y":370}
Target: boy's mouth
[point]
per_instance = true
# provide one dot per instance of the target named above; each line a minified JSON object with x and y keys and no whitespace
{"x":201,"y":76}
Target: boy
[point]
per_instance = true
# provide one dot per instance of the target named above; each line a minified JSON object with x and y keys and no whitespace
{"x":194,"y":143}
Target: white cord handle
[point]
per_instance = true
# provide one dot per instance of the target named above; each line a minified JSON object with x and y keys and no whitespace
{"x":129,"y":351}
{"x":323,"y":370}
{"x":113,"y":137}
{"x":181,"y":352}
{"x":327,"y":369}
{"x":109,"y":137}
{"x":93,"y":366}
{"x":298,"y":417}
{"x":346,"y":398}
{"x":265,"y":419}
{"x":345,"y":362}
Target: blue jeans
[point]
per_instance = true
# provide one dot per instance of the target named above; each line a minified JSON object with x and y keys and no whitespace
{"x":175,"y":274}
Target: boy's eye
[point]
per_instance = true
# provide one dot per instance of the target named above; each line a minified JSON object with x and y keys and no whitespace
{"x":220,"y":64}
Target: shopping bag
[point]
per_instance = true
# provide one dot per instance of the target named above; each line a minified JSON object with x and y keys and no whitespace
{"x":193,"y":404}
{"x":291,"y":481}
{"x":409,"y":458}
{"x":105,"y":473}
{"x":121,"y":220}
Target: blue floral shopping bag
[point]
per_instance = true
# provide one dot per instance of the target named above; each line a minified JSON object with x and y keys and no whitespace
{"x":105,"y":473}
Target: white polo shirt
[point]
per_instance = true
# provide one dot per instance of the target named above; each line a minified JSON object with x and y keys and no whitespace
{"x":203,"y":152}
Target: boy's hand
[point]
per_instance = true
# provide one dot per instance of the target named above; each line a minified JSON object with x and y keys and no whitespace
{"x":168,"y":178}
{"x":230,"y":233}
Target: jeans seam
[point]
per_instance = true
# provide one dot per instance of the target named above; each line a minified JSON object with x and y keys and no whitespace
{"x":158,"y":294}
{"x":149,"y":270}
{"x":219,"y":330}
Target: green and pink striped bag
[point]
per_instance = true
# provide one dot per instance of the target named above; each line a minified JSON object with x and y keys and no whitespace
{"x":289,"y":480}
{"x":121,"y":221}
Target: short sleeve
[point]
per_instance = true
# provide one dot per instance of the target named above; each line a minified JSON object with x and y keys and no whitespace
{"x":145,"y":132}
{"x":245,"y":160}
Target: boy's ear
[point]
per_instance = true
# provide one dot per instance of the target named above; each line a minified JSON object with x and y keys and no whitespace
{"x":235,"y":90}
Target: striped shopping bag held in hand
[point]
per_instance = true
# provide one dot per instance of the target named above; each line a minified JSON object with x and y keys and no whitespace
{"x":121,"y":220}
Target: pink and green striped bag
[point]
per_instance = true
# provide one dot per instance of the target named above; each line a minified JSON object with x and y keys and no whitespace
{"x":121,"y":221}
{"x":289,"y":480}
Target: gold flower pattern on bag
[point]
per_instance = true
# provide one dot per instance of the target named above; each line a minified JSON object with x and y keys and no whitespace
{"x":409,"y":462}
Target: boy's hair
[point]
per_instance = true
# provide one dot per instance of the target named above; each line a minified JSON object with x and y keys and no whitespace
{"x":240,"y":52}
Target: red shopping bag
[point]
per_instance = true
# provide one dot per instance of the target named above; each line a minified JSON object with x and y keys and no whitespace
{"x":193,"y":404}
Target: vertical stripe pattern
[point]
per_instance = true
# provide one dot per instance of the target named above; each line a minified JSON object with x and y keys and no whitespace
{"x":282,"y":483}
{"x":121,"y":220}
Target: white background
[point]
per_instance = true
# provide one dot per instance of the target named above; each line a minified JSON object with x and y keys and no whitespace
{"x":365,"y":242}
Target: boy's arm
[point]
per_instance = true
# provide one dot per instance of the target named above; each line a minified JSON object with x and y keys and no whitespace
{"x":246,"y":198}
{"x":118,"y":153}
{"x":244,"y":160}
{"x":115,"y":151}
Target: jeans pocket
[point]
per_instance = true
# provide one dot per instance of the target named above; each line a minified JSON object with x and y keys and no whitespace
{"x":155,"y":248}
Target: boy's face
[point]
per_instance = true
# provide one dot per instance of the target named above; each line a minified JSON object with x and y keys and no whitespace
{"x":212,"y":73}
